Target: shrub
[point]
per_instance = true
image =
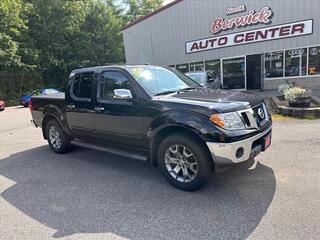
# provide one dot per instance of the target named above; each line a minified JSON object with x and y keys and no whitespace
{"x":282,"y":88}
{"x":292,"y":94}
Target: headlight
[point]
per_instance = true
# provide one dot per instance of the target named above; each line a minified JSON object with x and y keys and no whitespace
{"x":228,"y":121}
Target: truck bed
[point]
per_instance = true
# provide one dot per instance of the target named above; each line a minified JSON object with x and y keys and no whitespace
{"x":40,"y":103}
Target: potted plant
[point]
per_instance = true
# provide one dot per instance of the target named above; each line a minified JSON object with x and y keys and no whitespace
{"x":298,"y":97}
{"x":282,"y":88}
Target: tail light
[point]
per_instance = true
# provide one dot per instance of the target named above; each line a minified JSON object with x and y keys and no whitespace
{"x":30,"y":105}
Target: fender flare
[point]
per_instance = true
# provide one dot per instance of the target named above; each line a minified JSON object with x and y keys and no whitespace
{"x":53,"y":112}
{"x":196,"y":124}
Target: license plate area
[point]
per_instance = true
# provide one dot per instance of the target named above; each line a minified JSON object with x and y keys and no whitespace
{"x":266,"y":142}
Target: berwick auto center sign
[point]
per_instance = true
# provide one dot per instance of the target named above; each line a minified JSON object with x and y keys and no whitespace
{"x":219,"y":24}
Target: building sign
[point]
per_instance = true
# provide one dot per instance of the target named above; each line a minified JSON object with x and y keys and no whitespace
{"x":252,"y":18}
{"x":257,"y":35}
{"x":238,"y":9}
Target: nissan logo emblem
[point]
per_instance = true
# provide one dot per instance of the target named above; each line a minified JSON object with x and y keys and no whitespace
{"x":260,"y":113}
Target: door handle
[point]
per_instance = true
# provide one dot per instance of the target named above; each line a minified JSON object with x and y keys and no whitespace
{"x":99,"y":108}
{"x":71,"y":106}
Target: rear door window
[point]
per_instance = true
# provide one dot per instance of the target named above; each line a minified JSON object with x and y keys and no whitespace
{"x":82,"y":85}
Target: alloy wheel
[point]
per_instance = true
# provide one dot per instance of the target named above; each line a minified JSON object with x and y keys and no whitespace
{"x":55,"y":137}
{"x":181,"y":163}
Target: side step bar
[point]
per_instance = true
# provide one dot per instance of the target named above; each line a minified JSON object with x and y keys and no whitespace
{"x":111,"y":150}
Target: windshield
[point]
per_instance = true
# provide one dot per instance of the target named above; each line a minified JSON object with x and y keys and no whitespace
{"x":157,"y":80}
{"x":199,"y":77}
{"x":50,"y":91}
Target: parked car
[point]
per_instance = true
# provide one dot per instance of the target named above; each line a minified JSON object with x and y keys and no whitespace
{"x":208,"y":79}
{"x":155,"y":114}
{"x":25,"y":99}
{"x":2,"y":105}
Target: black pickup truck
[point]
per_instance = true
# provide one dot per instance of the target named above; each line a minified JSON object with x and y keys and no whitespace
{"x":155,"y":114}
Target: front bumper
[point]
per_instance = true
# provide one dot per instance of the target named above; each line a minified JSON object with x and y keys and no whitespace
{"x":226,"y":153}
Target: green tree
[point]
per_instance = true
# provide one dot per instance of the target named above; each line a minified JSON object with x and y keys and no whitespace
{"x":139,"y":8}
{"x":41,"y":41}
{"x":11,"y":26}
{"x":67,"y":34}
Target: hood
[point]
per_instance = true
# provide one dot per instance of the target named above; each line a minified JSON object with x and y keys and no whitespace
{"x":221,"y":100}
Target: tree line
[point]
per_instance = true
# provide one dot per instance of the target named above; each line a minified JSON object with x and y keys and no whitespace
{"x":41,"y":41}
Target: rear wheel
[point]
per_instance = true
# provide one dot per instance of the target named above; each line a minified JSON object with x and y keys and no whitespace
{"x":184,"y":161}
{"x":58,"y":140}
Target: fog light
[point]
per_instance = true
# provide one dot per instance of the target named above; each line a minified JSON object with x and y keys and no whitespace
{"x":239,"y":152}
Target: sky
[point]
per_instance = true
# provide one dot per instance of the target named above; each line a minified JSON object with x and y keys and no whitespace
{"x":165,"y":2}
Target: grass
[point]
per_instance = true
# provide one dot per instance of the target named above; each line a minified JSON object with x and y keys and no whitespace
{"x":278,"y":117}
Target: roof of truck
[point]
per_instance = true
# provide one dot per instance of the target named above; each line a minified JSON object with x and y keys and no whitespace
{"x":122,"y":66}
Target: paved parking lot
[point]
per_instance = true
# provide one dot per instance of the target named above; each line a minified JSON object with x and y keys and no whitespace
{"x":87,"y":194}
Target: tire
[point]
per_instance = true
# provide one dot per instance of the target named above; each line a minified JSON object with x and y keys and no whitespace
{"x":184,"y":161}
{"x":58,"y":140}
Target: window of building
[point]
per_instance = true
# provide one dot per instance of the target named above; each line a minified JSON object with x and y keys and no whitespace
{"x":111,"y":81}
{"x":234,"y":73}
{"x":296,"y":62}
{"x":213,"y":65}
{"x":274,"y":64}
{"x":196,"y":66}
{"x":82,"y":85}
{"x":183,"y":68}
{"x":314,"y":61}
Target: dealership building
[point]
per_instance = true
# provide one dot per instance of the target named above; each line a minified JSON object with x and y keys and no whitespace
{"x":248,"y":44}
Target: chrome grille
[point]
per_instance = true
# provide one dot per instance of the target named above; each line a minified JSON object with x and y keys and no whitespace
{"x":255,"y":117}
{"x":260,"y":114}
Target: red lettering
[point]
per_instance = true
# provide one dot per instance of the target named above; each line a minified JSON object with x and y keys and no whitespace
{"x":216,"y":25}
{"x":255,"y":18}
{"x":241,"y":21}
{"x":225,"y":24}
{"x":264,"y":15}
{"x":251,"y":12}
{"x":298,"y":28}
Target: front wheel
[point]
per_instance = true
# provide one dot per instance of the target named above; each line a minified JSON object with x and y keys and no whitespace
{"x":184,"y":161}
{"x":58,"y":140}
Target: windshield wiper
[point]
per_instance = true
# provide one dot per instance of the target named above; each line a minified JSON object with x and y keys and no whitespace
{"x":165,"y":93}
{"x":189,"y":88}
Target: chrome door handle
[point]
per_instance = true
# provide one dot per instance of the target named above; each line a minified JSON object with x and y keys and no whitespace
{"x":99,"y":108}
{"x":71,"y":106}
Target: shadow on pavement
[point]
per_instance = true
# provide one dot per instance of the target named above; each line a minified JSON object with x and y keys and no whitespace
{"x":87,"y":191}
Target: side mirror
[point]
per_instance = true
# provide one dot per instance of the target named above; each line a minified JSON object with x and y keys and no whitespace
{"x":122,"y":94}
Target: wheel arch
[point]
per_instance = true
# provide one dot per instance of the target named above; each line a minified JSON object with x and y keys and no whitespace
{"x":51,"y":116}
{"x":170,"y":130}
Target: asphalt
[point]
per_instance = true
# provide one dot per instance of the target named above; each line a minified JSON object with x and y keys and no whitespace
{"x":87,"y":194}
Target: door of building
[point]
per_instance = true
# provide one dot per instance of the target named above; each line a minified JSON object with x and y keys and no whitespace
{"x":253,"y":69}
{"x":234,"y":73}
